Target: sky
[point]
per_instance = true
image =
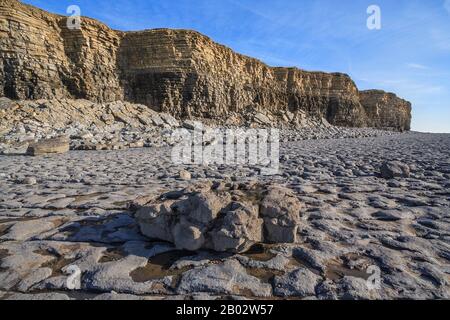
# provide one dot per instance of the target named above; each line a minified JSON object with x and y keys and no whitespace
{"x":409,"y":55}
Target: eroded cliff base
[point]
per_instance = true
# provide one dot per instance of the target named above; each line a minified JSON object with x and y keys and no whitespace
{"x":122,"y":125}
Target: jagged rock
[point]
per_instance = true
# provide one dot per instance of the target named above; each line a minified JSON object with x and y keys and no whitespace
{"x":289,"y":116}
{"x":203,"y":207}
{"x":48,"y":146}
{"x":187,"y":236}
{"x":5,"y":103}
{"x":281,"y":211}
{"x":262,"y":119}
{"x":299,"y":283}
{"x":351,"y":288}
{"x":156,"y":220}
{"x":224,"y":219}
{"x":157,"y":121}
{"x":169,"y":120}
{"x":325,"y":122}
{"x":239,"y":229}
{"x":150,"y":68}
{"x":83,"y":136}
{"x":192,"y":125}
{"x":185,"y":175}
{"x":394,"y":169}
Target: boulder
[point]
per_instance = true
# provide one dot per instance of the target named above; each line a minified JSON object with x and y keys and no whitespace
{"x":262,"y":119}
{"x":299,"y":283}
{"x":394,"y":169}
{"x":185,"y":175}
{"x":193,"y":125}
{"x":221,"y":217}
{"x":5,"y":103}
{"x":49,"y":146}
{"x":169,"y":120}
{"x":156,"y":220}
{"x":280,"y":209}
{"x":157,"y":121}
{"x":187,"y":236}
{"x":239,"y":229}
{"x":203,"y":207}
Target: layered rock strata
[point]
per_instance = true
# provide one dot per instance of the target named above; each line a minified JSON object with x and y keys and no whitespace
{"x":180,"y":72}
{"x":386,"y":110}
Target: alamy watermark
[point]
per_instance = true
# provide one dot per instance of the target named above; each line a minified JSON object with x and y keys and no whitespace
{"x":232,"y":147}
{"x":374,"y":280}
{"x":374,"y":19}
{"x":74,"y":20}
{"x":73,"y":281}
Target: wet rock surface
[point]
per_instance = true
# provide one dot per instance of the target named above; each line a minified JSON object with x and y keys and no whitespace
{"x":75,"y":211}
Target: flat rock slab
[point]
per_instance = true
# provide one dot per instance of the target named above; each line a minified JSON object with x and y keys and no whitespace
{"x":49,"y":146}
{"x":228,"y":278}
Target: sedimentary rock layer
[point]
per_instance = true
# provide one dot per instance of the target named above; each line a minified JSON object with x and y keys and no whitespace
{"x":177,"y":71}
{"x":386,"y":110}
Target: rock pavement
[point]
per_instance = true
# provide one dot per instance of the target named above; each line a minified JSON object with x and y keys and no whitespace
{"x":74,"y":209}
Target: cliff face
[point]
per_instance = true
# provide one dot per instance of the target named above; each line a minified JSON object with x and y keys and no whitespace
{"x":185,"y":73}
{"x":41,"y":58}
{"x":176,"y":71}
{"x":386,"y":110}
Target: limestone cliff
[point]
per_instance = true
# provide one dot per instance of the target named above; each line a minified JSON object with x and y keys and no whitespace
{"x":386,"y":110}
{"x":41,"y":58}
{"x":176,"y":71}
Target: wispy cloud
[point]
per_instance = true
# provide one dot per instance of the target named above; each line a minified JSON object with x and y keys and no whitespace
{"x":407,"y":88}
{"x":417,"y":66}
{"x":253,"y":10}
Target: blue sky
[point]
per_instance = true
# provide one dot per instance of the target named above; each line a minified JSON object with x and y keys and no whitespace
{"x":410,"y":55}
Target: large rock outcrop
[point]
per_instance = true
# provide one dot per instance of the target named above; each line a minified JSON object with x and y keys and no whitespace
{"x":176,"y":71}
{"x":386,"y":110}
{"x":224,"y":217}
{"x":42,"y":59}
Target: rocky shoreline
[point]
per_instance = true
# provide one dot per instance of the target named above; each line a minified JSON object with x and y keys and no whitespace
{"x":95,"y":204}
{"x":357,"y":212}
{"x":121,"y":125}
